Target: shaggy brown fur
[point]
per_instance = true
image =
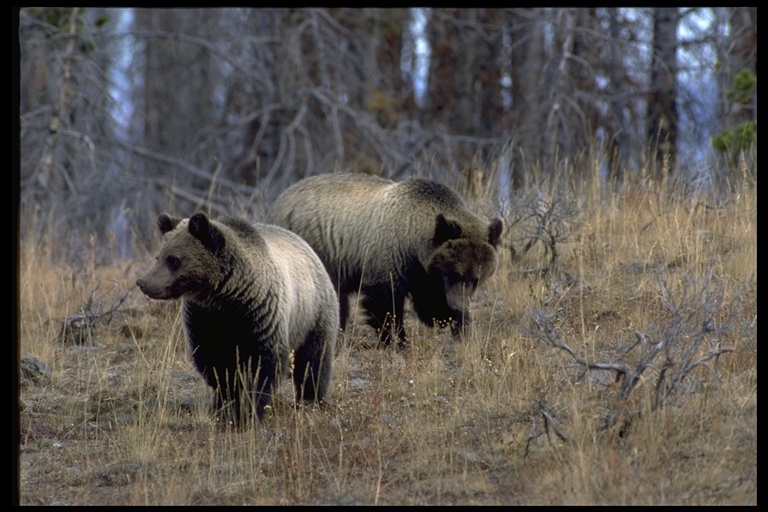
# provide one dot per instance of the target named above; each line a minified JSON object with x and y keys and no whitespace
{"x":390,"y":240}
{"x":251,"y":295}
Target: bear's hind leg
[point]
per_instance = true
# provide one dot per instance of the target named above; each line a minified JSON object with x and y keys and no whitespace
{"x":343,"y":308}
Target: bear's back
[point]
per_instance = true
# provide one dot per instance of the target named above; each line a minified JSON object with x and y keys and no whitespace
{"x":358,"y":222}
{"x":343,"y":216}
{"x":414,"y":202}
{"x":335,"y":192}
{"x":335,"y":210}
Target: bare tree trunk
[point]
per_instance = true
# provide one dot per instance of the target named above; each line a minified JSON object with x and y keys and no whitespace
{"x":743,"y":41}
{"x":178,"y":80}
{"x":618,"y":143}
{"x":444,"y":68}
{"x":527,"y":69}
{"x":662,"y":99}
{"x":556,"y":129}
{"x":61,"y":116}
{"x":488,"y":108}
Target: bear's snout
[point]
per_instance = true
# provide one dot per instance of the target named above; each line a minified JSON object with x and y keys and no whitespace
{"x":148,"y":290}
{"x":142,"y":284}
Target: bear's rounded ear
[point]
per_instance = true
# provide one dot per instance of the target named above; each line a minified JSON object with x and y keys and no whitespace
{"x":202,"y":229}
{"x":167,"y":222}
{"x":445,"y":230}
{"x":494,"y":232}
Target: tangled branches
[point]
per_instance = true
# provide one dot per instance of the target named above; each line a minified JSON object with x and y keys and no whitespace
{"x":689,"y":336}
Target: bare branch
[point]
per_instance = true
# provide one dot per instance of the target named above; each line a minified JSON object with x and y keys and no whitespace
{"x":547,"y":415}
{"x":78,"y":328}
{"x":688,"y":340}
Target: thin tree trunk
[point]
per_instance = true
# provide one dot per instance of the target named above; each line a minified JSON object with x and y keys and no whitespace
{"x":662,"y":100}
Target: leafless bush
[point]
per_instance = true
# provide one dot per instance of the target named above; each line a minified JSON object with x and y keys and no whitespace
{"x":78,"y":328}
{"x":545,"y":221}
{"x":690,"y":335}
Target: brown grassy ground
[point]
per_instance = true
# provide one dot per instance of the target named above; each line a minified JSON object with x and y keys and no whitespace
{"x":121,"y":418}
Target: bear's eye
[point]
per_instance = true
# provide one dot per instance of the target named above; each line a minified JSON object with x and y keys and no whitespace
{"x":173,"y":263}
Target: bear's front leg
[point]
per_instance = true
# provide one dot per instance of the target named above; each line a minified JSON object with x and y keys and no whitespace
{"x":227,"y":402}
{"x":385,"y":313}
{"x":236,"y":396}
{"x":262,"y":382}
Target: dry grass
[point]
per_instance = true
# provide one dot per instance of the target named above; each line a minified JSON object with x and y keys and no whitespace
{"x":121,"y":418}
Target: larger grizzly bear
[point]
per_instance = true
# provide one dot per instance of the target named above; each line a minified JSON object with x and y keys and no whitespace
{"x":251,"y":295}
{"x":390,"y":240}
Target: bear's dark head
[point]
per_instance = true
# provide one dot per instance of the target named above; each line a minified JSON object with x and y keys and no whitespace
{"x":188,"y":262}
{"x":463,"y":260}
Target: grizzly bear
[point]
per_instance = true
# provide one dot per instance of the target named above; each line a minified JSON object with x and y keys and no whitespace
{"x":253,"y":297}
{"x":390,"y":240}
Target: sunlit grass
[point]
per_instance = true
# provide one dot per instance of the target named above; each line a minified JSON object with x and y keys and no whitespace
{"x":122,"y":418}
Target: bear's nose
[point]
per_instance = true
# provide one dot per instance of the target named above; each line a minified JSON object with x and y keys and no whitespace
{"x":141,"y":283}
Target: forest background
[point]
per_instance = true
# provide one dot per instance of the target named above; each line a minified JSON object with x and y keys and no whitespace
{"x":127,"y":112}
{"x":615,"y":359}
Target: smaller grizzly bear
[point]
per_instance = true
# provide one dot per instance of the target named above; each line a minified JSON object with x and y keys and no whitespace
{"x":253,"y":296}
{"x":391,"y":240}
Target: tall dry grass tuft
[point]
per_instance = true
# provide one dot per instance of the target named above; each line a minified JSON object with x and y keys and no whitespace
{"x":530,"y":407}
